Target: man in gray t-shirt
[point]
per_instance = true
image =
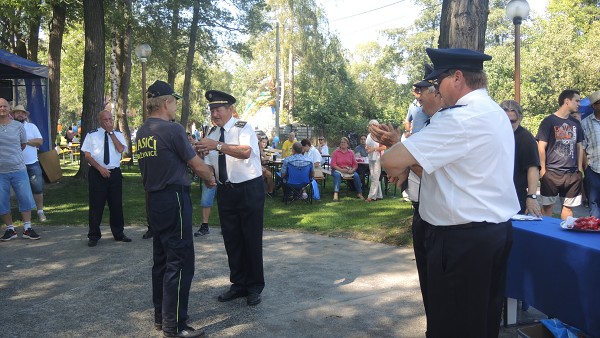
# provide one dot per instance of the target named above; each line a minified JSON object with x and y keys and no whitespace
{"x":14,"y":174}
{"x":164,"y":154}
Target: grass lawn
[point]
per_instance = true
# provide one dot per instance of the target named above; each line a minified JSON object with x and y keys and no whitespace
{"x":385,"y":221}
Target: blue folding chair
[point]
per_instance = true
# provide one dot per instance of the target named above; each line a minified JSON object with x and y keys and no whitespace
{"x":297,"y":182}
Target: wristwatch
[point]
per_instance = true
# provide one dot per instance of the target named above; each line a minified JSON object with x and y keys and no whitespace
{"x":532,"y":196}
{"x":219,"y":146}
{"x":111,"y":133}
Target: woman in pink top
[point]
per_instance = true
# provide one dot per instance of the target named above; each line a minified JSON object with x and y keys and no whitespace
{"x":344,"y":163}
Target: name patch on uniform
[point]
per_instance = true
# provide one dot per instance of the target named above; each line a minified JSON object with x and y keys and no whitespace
{"x":146,"y":147}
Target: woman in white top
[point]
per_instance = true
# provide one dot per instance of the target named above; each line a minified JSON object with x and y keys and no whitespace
{"x":374,"y":150}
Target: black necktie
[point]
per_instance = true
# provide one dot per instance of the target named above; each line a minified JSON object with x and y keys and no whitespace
{"x":106,"y":155}
{"x":222,"y":162}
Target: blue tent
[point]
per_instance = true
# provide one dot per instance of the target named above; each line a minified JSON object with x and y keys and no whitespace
{"x":25,"y":82}
{"x":585,"y":108}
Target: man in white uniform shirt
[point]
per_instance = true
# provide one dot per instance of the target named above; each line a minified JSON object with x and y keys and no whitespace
{"x":468,"y":197}
{"x":30,"y":156}
{"x":102,"y":148}
{"x":233,"y":152}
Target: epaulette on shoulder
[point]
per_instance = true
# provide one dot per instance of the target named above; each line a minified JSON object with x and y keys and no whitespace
{"x":212,"y":129}
{"x":452,"y":107}
{"x":93,"y":131}
{"x":240,"y":124}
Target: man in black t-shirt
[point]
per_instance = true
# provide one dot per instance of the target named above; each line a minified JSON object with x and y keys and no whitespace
{"x":164,"y":154}
{"x":560,"y":140}
{"x":527,"y":161}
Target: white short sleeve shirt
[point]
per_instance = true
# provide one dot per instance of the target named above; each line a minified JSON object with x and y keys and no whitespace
{"x":467,"y":155}
{"x":30,"y":153}
{"x":94,"y":144}
{"x":238,"y":170}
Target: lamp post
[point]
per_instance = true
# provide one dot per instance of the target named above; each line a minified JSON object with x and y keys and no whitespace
{"x":517,"y":10}
{"x":143,"y":52}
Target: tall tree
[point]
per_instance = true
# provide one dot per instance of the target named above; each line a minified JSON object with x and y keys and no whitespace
{"x":20,"y":25}
{"x":463,"y":24}
{"x":124,"y":27}
{"x":185,"y":107}
{"x":93,"y":70}
{"x":57,"y":29}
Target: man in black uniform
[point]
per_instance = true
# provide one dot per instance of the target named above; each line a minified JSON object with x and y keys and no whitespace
{"x":233,"y":151}
{"x":164,"y":154}
{"x":102,"y":148}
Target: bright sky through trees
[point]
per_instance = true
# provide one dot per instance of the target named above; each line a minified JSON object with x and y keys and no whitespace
{"x":359,"y":21}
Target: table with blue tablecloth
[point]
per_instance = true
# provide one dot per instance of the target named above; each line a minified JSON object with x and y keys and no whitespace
{"x":557,"y":271}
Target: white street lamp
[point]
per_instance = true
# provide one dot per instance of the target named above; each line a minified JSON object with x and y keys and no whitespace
{"x":517,"y":10}
{"x":143,"y":52}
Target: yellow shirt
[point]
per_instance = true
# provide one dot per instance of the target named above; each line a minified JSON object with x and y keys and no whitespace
{"x":286,"y":149}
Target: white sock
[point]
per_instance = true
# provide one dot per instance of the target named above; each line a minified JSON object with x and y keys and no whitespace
{"x":26,"y":225}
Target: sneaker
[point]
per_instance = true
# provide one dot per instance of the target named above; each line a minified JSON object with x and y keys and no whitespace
{"x":202,"y":231}
{"x":41,"y":216}
{"x":30,"y":233}
{"x":8,"y":235}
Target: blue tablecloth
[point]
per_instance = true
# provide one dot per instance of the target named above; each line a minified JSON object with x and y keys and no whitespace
{"x":557,"y":271}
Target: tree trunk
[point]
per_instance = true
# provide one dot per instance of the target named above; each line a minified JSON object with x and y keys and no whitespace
{"x":34,"y":37}
{"x":93,"y":71}
{"x":463,"y":24}
{"x":172,"y":70}
{"x":57,"y":29}
{"x":185,"y":109}
{"x":124,"y":77}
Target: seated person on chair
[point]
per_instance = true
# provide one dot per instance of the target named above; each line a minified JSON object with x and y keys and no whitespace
{"x":311,"y":153}
{"x":296,"y":159}
{"x":267,"y":174}
{"x":344,"y":163}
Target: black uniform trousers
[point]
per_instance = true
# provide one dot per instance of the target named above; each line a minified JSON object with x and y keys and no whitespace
{"x":421,"y":231}
{"x":170,"y":216}
{"x":241,"y":208}
{"x":102,"y":190}
{"x":466,"y":274}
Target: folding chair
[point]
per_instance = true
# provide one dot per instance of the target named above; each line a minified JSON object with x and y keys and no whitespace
{"x":297,"y":181}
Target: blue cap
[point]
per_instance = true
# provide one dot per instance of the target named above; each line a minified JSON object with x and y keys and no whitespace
{"x":455,"y":58}
{"x":161,"y":88}
{"x":218,"y":98}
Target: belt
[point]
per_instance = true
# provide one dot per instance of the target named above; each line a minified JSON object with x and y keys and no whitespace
{"x":241,"y":184}
{"x":470,"y":225}
{"x":177,"y":188}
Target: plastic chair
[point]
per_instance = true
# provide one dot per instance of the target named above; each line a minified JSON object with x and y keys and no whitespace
{"x":297,"y":182}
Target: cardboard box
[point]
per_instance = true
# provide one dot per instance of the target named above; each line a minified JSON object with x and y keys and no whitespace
{"x":534,"y":331}
{"x":50,"y":165}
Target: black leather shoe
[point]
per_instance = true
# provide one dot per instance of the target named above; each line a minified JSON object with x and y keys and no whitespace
{"x":92,"y":243}
{"x":123,"y":239}
{"x":253,"y":299}
{"x":187,"y":332}
{"x":148,"y":234}
{"x":230,"y":295}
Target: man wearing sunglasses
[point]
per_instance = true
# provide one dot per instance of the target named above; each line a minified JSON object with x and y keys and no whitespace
{"x":467,"y":197}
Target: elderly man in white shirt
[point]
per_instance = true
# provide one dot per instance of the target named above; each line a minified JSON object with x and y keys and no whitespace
{"x":311,"y":153}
